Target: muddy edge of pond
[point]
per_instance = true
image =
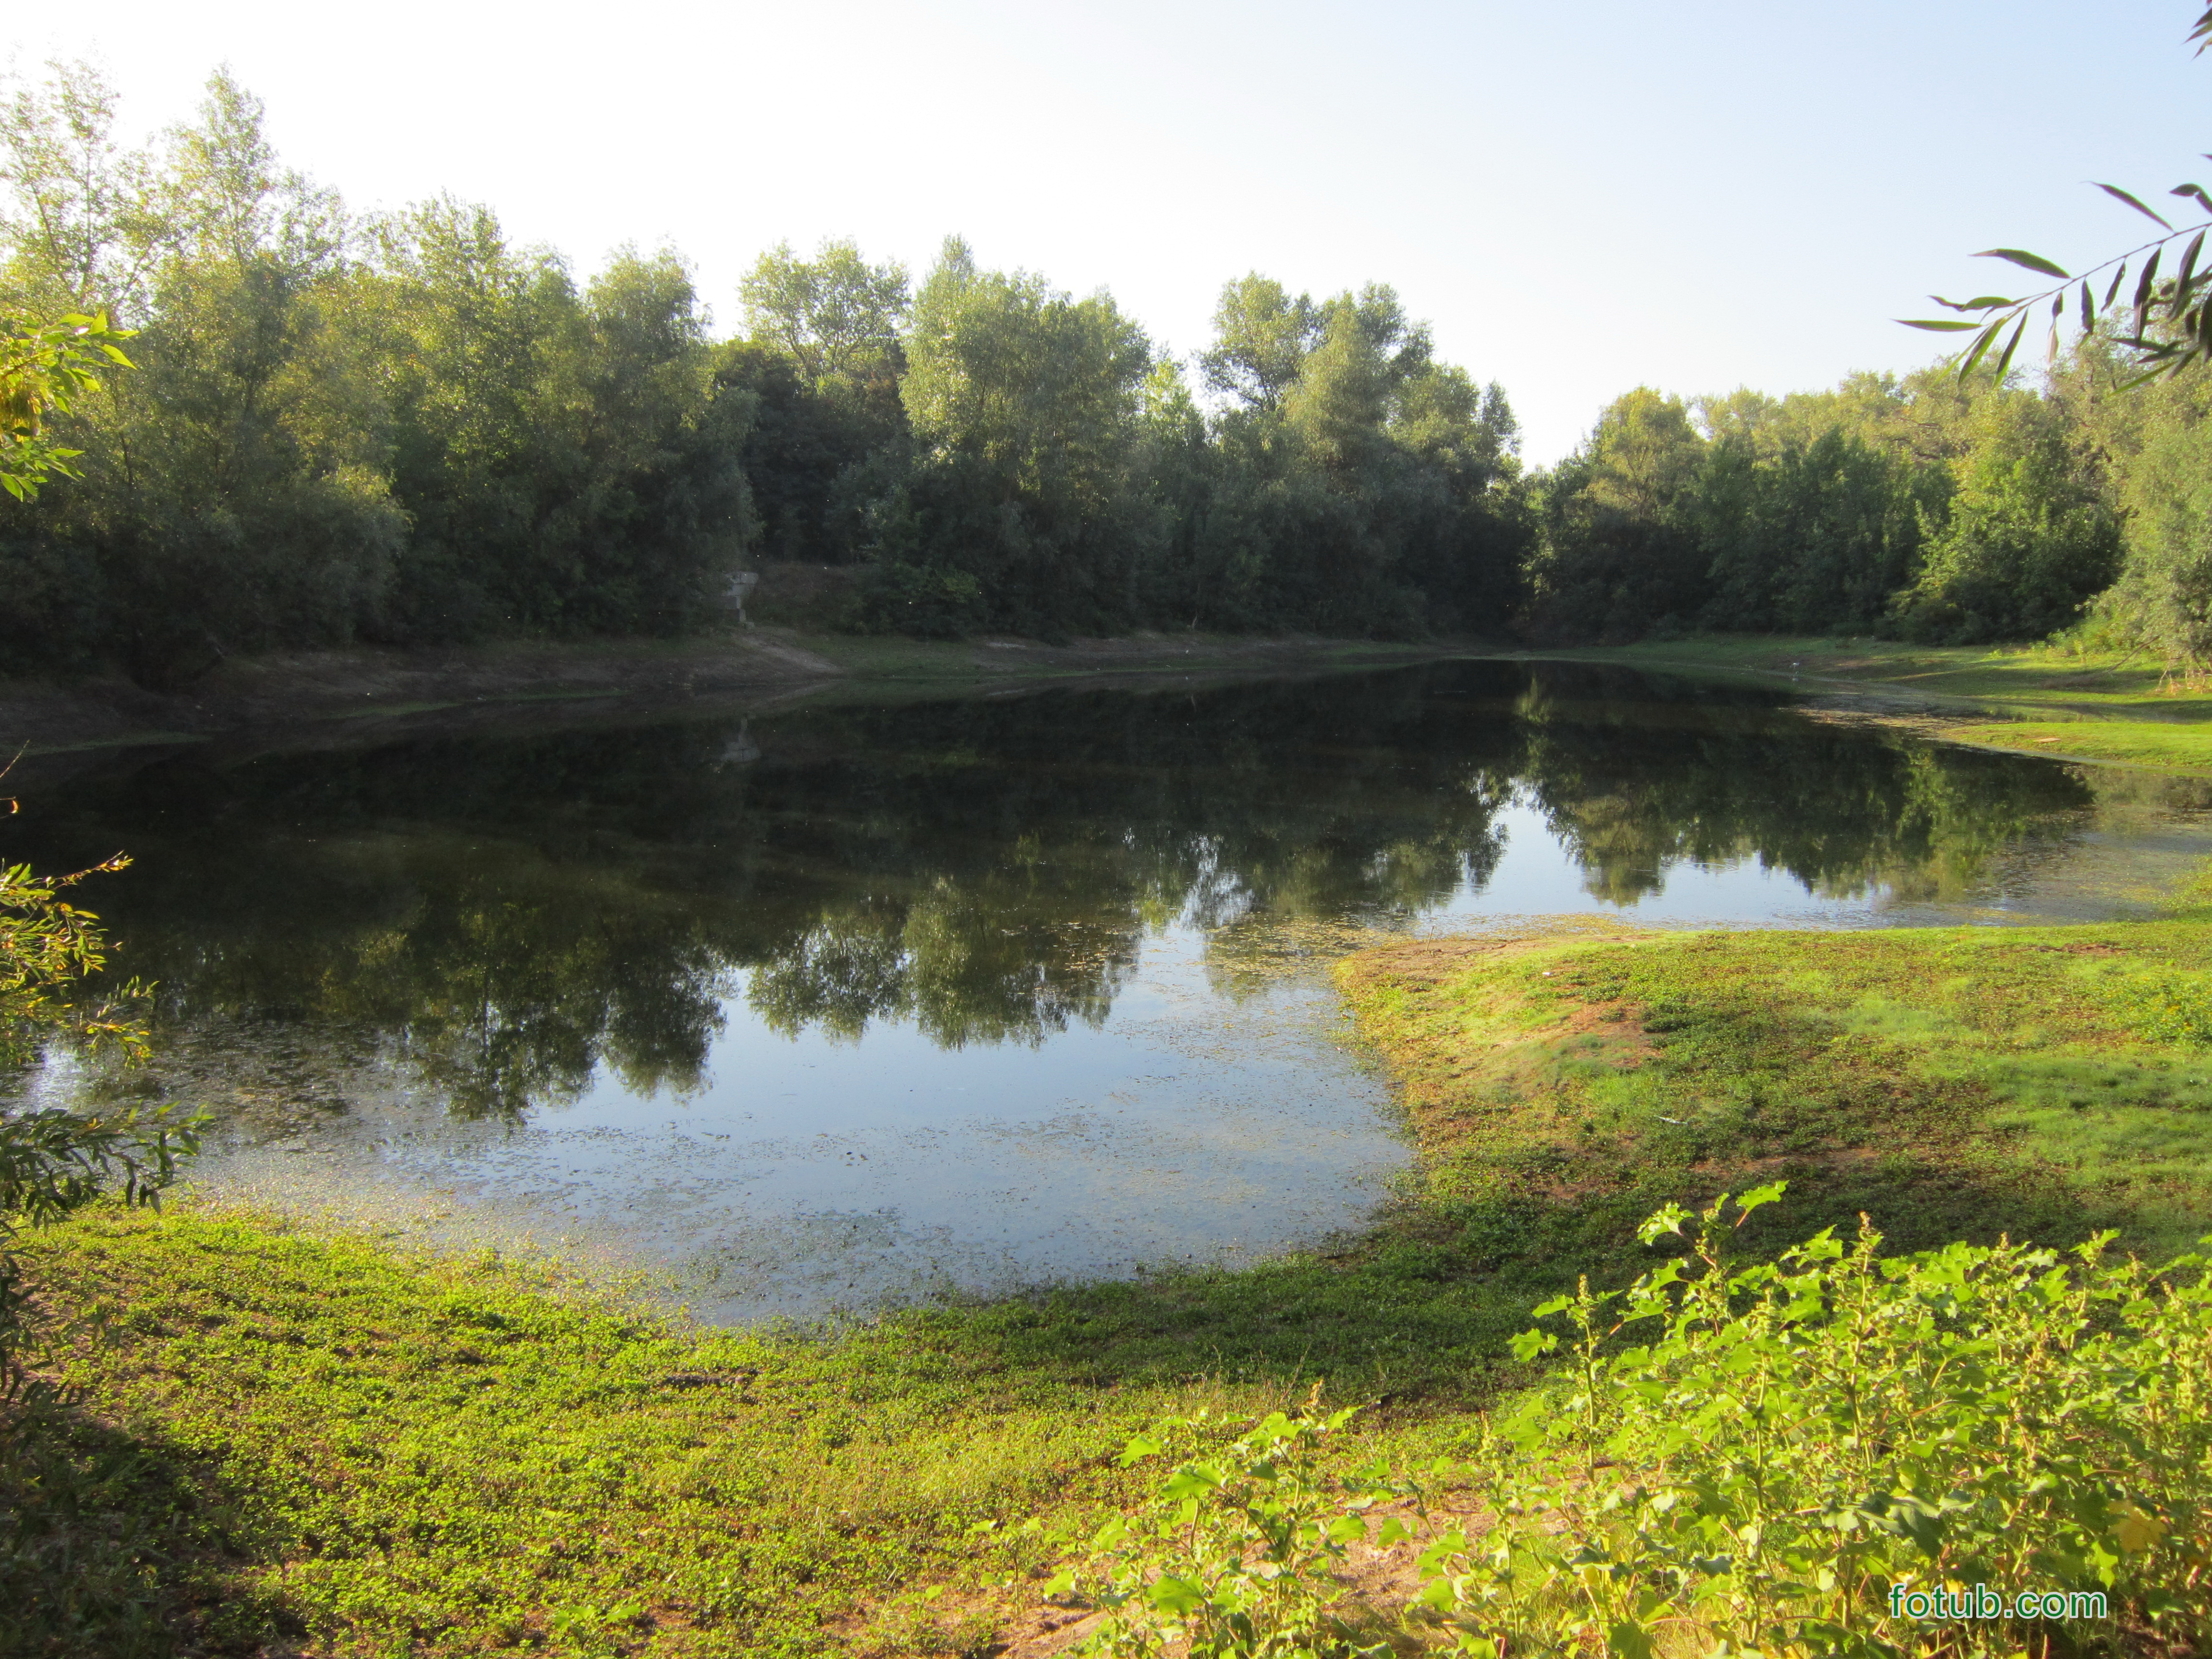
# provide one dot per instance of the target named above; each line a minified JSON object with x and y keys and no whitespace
{"x":306,"y":699}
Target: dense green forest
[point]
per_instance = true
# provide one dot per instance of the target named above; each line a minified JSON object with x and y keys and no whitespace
{"x":407,"y":429}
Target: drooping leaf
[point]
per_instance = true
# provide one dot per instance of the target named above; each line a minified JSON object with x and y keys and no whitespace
{"x":2115,"y":190}
{"x":2143,"y":284}
{"x":2188,"y":270}
{"x":2021,"y":256}
{"x":2088,"y":310}
{"x":2012,"y":345}
{"x":1945,"y":324}
{"x":2118,"y":276}
{"x":1986,"y":302}
{"x":1980,"y":347}
{"x":2194,"y":192}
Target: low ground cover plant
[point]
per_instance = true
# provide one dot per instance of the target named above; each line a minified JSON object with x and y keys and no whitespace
{"x":1773,"y":1457}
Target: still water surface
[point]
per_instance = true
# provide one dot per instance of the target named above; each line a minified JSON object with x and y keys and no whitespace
{"x":820,"y":1007}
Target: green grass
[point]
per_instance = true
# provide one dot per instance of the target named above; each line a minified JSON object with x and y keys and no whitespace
{"x":279,"y":1435}
{"x":271,"y":1435}
{"x":2039,"y":699}
{"x":1954,"y":1083}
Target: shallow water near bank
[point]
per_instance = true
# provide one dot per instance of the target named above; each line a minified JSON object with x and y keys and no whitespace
{"x":833,"y":1007}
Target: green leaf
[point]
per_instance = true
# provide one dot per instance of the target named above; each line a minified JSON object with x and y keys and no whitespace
{"x":1940,"y":324}
{"x":2019,"y":256}
{"x":1770,"y":1194}
{"x":1192,"y":1481}
{"x":1176,"y":1596}
{"x":2118,"y":276}
{"x":2115,"y":190}
{"x":1974,"y":354}
{"x":1529,"y":1344}
{"x":2195,"y":192}
{"x":2144,"y":285}
{"x":1140,"y":1446}
{"x":2088,"y":310}
{"x":2011,"y":346}
{"x":2188,"y":270}
{"x":1986,"y":302}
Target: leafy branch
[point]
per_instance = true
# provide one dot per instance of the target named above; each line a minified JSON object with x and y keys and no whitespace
{"x":2176,"y":306}
{"x":44,"y":368}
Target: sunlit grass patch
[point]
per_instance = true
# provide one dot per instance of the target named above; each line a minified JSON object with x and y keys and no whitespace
{"x":2051,"y":699}
{"x":392,"y":1455}
{"x":1910,"y":1070}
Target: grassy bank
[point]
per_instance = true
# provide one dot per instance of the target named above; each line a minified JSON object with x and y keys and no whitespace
{"x":1954,"y":1083}
{"x":270,"y":1436}
{"x":2036,"y":699}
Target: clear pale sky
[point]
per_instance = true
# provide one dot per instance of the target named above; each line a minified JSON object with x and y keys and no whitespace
{"x":1695,"y":195}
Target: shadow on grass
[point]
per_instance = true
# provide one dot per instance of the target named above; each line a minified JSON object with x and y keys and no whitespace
{"x":115,"y":1545}
{"x":1416,"y":1315}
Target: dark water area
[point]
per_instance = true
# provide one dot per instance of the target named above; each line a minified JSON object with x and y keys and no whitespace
{"x":833,"y":1004}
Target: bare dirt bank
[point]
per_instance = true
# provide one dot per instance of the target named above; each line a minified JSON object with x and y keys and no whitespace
{"x":372,"y":694}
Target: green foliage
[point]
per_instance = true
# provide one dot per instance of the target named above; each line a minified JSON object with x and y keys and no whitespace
{"x":407,"y":429}
{"x":1818,"y":538}
{"x":1233,"y":1559}
{"x":44,"y":368}
{"x":1930,"y":509}
{"x":1739,"y":1457}
{"x":1622,"y":552}
{"x":2163,"y":599}
{"x":2030,"y":540}
{"x":925,"y":602}
{"x":1788,"y":1441}
{"x":54,"y":1161}
{"x":837,"y":317}
{"x":404,"y":430}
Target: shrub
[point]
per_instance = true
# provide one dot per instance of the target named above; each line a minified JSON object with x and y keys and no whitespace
{"x":1233,"y":1559}
{"x":1800,"y":1445}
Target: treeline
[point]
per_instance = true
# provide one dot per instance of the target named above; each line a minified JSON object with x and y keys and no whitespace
{"x":406,"y":428}
{"x":1922,"y":509}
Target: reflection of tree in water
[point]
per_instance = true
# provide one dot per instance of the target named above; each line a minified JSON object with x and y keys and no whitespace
{"x":507,"y":917}
{"x":1631,"y":789}
{"x":966,"y":965}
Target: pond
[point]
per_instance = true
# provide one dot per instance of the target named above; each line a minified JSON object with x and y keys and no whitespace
{"x":810,"y":1008}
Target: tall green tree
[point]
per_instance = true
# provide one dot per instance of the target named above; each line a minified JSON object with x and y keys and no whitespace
{"x":828,"y":442}
{"x":1025,"y":405}
{"x":2031,"y":537}
{"x":1622,"y":550}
